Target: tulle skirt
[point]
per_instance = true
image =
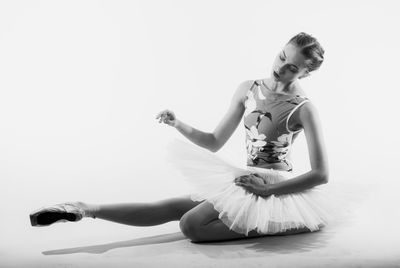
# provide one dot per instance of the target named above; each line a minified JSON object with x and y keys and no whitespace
{"x":211,"y":178}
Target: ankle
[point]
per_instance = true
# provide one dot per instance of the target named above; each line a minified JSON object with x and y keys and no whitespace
{"x":89,"y":209}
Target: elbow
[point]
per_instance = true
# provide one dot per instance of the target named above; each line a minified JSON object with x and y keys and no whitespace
{"x":214,"y":149}
{"x":214,"y":144}
{"x":323,"y":177}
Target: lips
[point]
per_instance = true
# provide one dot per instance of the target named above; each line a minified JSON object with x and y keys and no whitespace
{"x":275,"y":74}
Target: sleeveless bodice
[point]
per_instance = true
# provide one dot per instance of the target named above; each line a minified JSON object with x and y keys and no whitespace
{"x":266,"y":117}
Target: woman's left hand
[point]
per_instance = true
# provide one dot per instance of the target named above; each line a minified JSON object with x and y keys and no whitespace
{"x":253,"y":183}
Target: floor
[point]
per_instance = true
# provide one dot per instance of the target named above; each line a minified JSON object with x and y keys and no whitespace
{"x":369,"y":237}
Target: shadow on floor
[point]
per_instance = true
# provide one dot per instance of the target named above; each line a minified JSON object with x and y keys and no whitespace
{"x":249,"y":247}
{"x":98,"y":249}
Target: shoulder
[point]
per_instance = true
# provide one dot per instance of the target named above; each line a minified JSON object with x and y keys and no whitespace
{"x":245,"y":85}
{"x":242,"y":89}
{"x":307,"y":108}
{"x":308,"y":114}
{"x":303,"y":114}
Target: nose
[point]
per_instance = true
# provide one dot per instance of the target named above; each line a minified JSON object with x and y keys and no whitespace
{"x":281,"y":69}
{"x":278,"y":68}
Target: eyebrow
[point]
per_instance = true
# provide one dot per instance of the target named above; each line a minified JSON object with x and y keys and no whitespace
{"x":286,"y":57}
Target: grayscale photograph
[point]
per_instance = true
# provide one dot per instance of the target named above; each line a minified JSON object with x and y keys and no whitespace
{"x":186,"y":134}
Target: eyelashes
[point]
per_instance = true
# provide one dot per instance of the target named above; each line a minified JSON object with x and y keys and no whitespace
{"x":291,"y":68}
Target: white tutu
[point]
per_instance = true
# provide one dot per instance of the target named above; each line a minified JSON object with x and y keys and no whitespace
{"x":212,"y":179}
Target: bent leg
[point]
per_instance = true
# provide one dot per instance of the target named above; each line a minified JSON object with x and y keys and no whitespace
{"x":146,"y":214}
{"x":201,"y":224}
{"x":218,"y":231}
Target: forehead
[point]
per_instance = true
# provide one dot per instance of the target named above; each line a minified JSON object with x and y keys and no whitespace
{"x":294,"y":56}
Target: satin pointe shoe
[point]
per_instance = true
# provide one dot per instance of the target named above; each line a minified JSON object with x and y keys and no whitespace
{"x":58,"y":213}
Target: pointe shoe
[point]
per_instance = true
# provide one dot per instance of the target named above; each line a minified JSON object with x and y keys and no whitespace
{"x":58,"y":213}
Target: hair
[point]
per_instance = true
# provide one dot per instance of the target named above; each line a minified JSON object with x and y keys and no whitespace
{"x":310,"y":48}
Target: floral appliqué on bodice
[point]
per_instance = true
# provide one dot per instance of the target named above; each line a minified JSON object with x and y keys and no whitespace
{"x":268,"y":139}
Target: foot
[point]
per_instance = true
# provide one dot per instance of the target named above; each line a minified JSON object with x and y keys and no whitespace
{"x":72,"y":211}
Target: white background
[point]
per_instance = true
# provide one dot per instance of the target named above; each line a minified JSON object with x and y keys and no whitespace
{"x":82,"y":81}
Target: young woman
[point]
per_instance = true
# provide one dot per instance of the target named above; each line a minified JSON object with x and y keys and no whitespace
{"x":230,"y":202}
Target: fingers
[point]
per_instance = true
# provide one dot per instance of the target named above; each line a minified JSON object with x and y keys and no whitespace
{"x":242,"y":184}
{"x":244,"y":178}
{"x":246,"y":181}
{"x":243,"y":181}
{"x":257,"y":175}
{"x":164,"y":113}
{"x":159,"y":114}
{"x":165,"y":116}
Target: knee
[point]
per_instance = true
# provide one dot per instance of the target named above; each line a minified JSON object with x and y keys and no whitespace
{"x":190,"y":228}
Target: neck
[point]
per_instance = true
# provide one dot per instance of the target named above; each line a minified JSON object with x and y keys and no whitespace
{"x":280,"y":87}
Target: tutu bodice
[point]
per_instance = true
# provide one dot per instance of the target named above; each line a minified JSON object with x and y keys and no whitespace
{"x":266,"y":120}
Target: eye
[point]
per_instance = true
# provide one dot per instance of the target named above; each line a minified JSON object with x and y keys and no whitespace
{"x":281,"y":58}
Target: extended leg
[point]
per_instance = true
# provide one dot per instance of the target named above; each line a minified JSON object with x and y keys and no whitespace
{"x":138,"y":214}
{"x":146,"y":214}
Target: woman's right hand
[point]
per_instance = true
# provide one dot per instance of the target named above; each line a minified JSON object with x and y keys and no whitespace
{"x":253,"y":183}
{"x":168,"y":117}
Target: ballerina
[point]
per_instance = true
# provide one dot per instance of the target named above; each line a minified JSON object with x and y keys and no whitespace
{"x":230,"y":202}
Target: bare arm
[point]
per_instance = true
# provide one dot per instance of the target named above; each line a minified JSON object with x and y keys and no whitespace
{"x":203,"y":139}
{"x":215,"y":140}
{"x":308,"y":118}
{"x":233,"y":116}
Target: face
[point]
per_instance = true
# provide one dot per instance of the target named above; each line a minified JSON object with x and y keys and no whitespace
{"x":289,"y":65}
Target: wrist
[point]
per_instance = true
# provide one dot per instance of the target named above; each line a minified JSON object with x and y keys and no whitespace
{"x":177,"y":123}
{"x":268,"y":190}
